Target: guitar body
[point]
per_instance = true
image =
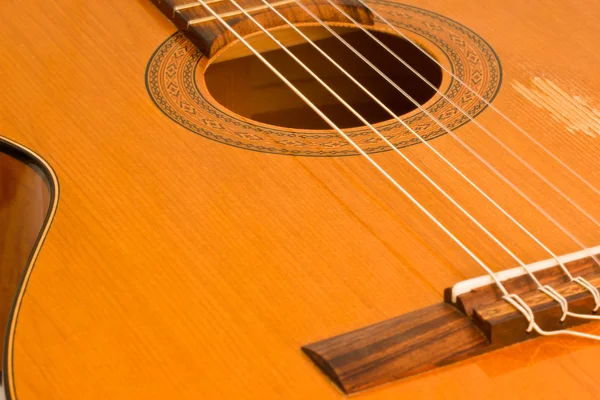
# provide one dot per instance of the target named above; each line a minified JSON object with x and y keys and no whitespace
{"x":176,"y":266}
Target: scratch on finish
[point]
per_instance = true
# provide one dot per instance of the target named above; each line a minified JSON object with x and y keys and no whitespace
{"x":572,"y":111}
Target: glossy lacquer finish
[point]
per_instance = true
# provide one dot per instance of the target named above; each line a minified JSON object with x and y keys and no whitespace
{"x":181,"y":267}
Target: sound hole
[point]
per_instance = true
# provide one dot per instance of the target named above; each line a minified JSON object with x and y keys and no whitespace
{"x":246,"y":86}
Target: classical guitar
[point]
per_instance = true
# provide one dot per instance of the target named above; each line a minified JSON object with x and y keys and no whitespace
{"x":300,"y":199}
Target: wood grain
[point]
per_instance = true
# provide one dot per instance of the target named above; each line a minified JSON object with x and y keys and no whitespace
{"x":400,"y":347}
{"x":180,"y":267}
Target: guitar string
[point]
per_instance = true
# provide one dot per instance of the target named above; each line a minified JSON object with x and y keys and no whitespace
{"x":454,"y":136}
{"x":548,"y":290}
{"x":580,"y":280}
{"x":564,"y":304}
{"x":350,"y":141}
{"x":486,"y":102}
{"x":359,"y":150}
{"x":381,"y":136}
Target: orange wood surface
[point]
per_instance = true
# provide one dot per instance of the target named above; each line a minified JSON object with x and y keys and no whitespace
{"x":179,"y":267}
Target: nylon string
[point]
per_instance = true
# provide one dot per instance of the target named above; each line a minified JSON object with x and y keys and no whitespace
{"x":460,"y":141}
{"x":507,"y":296}
{"x":554,"y":294}
{"x":579,"y":279}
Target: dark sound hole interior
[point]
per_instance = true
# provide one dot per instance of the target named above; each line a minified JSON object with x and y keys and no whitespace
{"x":246,"y":86}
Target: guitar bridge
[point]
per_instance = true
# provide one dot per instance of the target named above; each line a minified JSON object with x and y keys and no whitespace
{"x":474,"y":319}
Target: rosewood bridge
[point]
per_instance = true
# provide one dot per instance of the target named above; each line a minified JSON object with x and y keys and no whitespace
{"x":473,"y":319}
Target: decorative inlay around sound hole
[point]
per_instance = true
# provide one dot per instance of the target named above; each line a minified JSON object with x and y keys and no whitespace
{"x":172,"y":83}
